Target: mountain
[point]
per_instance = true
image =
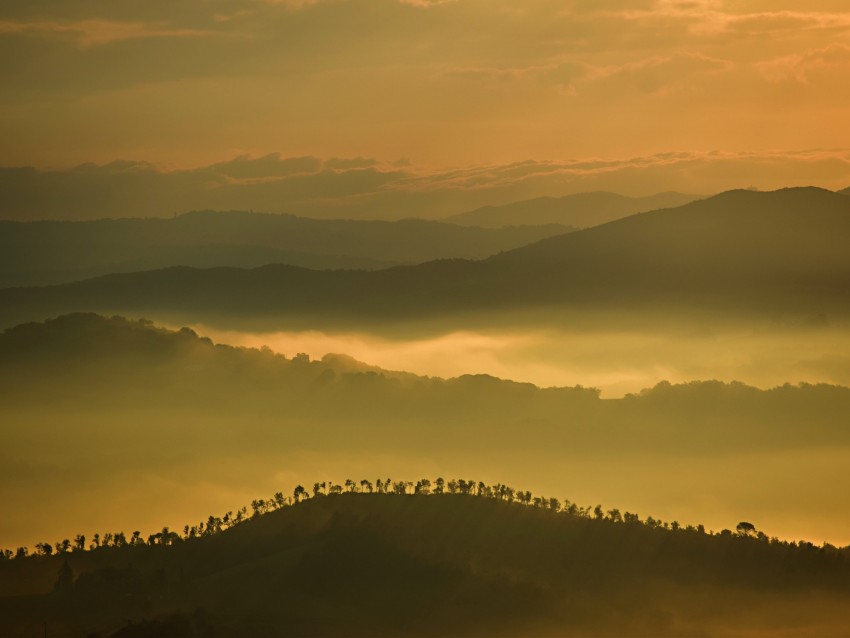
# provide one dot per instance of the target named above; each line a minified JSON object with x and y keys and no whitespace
{"x":47,"y":252}
{"x":164,"y":424}
{"x":367,"y":564}
{"x":739,"y":252}
{"x":581,"y":210}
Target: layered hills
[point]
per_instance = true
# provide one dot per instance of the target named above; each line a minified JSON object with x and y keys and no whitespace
{"x":158,"y":423}
{"x":738,"y":252}
{"x":581,"y":210}
{"x":48,"y":252}
{"x":473,"y":563}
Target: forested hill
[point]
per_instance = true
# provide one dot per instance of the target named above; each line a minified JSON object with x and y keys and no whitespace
{"x":581,"y":210}
{"x":736,"y":253}
{"x":159,"y":423}
{"x":368,"y":564}
{"x":47,"y":252}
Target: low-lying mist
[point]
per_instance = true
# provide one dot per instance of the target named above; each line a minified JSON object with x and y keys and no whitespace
{"x":616,"y":361}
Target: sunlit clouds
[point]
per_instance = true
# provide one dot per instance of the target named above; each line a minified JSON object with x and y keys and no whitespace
{"x":457,"y":83}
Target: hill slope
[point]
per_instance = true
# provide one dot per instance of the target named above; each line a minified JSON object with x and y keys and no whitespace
{"x":581,"y":210}
{"x":158,"y":423}
{"x":738,"y":252}
{"x":440,"y":565}
{"x":45,"y":252}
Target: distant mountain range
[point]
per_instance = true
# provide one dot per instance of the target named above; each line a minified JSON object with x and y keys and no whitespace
{"x":581,"y":210}
{"x":49,"y":252}
{"x":360,"y":564}
{"x":741,"y":251}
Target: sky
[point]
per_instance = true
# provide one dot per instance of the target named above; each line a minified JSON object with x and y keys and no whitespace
{"x":695,"y":95}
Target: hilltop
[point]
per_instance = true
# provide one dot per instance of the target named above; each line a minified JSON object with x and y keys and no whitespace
{"x":734,"y":254}
{"x":581,"y":210}
{"x":369,"y":564}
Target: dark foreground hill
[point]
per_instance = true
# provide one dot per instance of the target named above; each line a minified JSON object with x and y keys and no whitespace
{"x":581,"y":210}
{"x":741,"y":252}
{"x":440,"y":565}
{"x":47,"y":252}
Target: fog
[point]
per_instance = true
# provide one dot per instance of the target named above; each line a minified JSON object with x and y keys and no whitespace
{"x":618,"y":362}
{"x":110,"y":424}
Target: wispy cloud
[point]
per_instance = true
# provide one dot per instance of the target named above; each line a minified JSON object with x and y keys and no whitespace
{"x":96,"y":32}
{"x":799,"y":67}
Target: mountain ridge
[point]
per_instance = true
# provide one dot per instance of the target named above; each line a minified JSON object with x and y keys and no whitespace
{"x":580,"y":210}
{"x":738,"y":252}
{"x":49,"y":252}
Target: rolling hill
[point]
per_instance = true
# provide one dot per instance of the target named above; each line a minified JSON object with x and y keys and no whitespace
{"x":736,"y":253}
{"x":107,"y":421}
{"x":48,"y":252}
{"x":377,"y":564}
{"x":580,"y":211}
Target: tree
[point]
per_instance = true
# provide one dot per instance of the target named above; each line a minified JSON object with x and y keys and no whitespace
{"x":366,"y":486}
{"x":79,"y":543}
{"x":44,"y":549}
{"x":745,"y":529}
{"x":299,"y":493}
{"x":440,"y":485}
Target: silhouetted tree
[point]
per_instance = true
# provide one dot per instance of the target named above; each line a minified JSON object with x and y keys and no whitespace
{"x":299,"y":493}
{"x":44,"y":549}
{"x":79,"y":543}
{"x":745,"y":529}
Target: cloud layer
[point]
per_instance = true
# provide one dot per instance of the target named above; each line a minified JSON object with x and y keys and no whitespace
{"x":444,"y":82}
{"x":367,"y":188}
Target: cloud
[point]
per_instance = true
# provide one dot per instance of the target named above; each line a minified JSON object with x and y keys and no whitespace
{"x":458,"y":82}
{"x":663,"y":74}
{"x":93,"y":32}
{"x":368,"y":188}
{"x":802,"y":67}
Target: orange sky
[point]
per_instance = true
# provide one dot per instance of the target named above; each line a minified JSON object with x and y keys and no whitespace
{"x":443,"y":82}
